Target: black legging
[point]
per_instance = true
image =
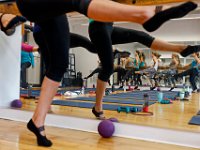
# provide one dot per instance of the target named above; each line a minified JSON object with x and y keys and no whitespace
{"x":75,"y":41}
{"x":138,"y":80}
{"x":24,"y":66}
{"x":104,"y":35}
{"x":42,"y":10}
{"x":99,"y":69}
{"x":49,"y":15}
{"x":129,"y":73}
{"x":192,"y":72}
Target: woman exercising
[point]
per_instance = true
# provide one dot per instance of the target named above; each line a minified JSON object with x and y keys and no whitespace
{"x":131,"y":67}
{"x":171,"y":70}
{"x":192,"y":71}
{"x":47,"y":14}
{"x":143,"y":65}
{"x":151,"y":71}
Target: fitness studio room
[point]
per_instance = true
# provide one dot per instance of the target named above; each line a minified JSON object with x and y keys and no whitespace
{"x":100,"y":75}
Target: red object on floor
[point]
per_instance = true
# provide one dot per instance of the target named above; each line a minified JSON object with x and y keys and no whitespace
{"x":146,"y":109}
{"x":58,"y":94}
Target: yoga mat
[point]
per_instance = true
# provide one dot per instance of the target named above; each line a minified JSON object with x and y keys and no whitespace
{"x":195,"y":120}
{"x":37,"y":92}
{"x":139,"y":95}
{"x":133,"y":102}
{"x":34,"y":92}
{"x":86,"y":105}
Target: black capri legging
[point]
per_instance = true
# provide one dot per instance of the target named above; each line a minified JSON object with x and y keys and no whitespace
{"x":75,"y":41}
{"x":104,"y":35}
{"x":48,"y":14}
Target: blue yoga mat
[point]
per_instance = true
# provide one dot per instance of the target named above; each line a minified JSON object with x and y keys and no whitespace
{"x":139,"y":95}
{"x":87,"y":105}
{"x":37,"y":92}
{"x":34,"y":92}
{"x":133,"y":102}
{"x":195,"y":120}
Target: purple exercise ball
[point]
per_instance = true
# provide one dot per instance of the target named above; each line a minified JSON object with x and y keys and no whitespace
{"x":17,"y":103}
{"x":158,"y":89}
{"x":106,"y":128}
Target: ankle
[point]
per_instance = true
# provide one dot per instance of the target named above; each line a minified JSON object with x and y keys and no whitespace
{"x":98,"y":108}
{"x":146,"y":15}
{"x":38,"y":123}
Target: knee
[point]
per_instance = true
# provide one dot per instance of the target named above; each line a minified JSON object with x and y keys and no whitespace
{"x":56,"y":73}
{"x":106,"y":72}
{"x":82,"y":6}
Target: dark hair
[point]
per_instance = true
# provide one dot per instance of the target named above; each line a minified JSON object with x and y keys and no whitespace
{"x":142,"y":55}
{"x":138,"y":52}
{"x":128,"y":53}
{"x":156,"y":54}
{"x":177,"y":58}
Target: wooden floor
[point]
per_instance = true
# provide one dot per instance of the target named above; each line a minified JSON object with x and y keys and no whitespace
{"x":173,"y":116}
{"x":15,"y":136}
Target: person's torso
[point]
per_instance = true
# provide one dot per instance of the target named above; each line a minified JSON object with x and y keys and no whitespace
{"x":25,"y":57}
{"x":194,"y":63}
{"x":136,"y":64}
{"x":155,"y":65}
{"x":172,"y":65}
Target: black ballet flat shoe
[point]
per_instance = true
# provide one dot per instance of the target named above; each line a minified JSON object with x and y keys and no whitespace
{"x":98,"y":115}
{"x":190,"y":50}
{"x":171,"y":88}
{"x":161,"y":17}
{"x":41,"y":140}
{"x":152,"y":88}
{"x":121,"y":87}
{"x":10,"y":28}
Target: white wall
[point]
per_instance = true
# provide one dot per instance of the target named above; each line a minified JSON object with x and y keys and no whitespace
{"x":10,"y":48}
